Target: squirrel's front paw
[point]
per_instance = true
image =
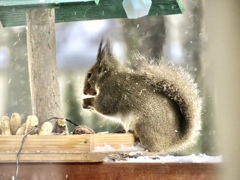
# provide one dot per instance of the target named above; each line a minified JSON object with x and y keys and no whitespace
{"x":88,"y":103}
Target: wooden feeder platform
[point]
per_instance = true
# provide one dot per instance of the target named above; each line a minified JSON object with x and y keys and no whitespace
{"x":64,"y":148}
{"x":81,"y":157}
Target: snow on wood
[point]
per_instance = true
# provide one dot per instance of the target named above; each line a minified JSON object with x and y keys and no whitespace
{"x":140,"y":157}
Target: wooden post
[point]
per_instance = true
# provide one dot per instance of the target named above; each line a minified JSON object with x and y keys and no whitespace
{"x":41,"y":46}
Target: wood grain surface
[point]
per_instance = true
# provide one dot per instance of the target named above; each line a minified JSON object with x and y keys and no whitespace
{"x":126,"y":171}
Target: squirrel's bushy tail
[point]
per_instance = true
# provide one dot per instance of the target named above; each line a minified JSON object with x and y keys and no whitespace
{"x":179,"y":86}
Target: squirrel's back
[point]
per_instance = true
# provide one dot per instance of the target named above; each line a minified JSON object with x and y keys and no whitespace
{"x":179,"y":86}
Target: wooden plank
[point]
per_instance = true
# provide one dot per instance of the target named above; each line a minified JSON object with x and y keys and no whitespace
{"x":64,"y":148}
{"x":78,"y":11}
{"x":53,"y":157}
{"x":45,"y":144}
{"x":139,"y":171}
{"x":64,"y":143}
{"x":114,"y":140}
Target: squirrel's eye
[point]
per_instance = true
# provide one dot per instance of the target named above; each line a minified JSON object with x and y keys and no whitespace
{"x":89,"y":75}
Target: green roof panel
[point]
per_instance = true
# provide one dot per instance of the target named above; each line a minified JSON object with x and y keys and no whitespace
{"x":13,"y":12}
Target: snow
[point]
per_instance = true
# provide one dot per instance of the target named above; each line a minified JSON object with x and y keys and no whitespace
{"x":141,"y":158}
{"x":108,"y":148}
{"x":137,"y":154}
{"x":77,"y":43}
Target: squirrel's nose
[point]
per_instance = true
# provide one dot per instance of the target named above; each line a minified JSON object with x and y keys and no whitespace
{"x":91,"y":92}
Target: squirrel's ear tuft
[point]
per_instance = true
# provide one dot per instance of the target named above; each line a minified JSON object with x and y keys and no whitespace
{"x":104,"y":50}
{"x":108,"y":47}
{"x":99,"y":55}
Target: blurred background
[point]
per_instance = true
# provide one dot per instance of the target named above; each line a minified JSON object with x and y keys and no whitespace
{"x":177,"y":38}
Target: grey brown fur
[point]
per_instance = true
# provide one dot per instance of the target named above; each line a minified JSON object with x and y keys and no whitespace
{"x":158,"y":102}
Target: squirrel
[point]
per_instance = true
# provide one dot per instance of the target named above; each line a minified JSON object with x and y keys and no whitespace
{"x":158,"y":102}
